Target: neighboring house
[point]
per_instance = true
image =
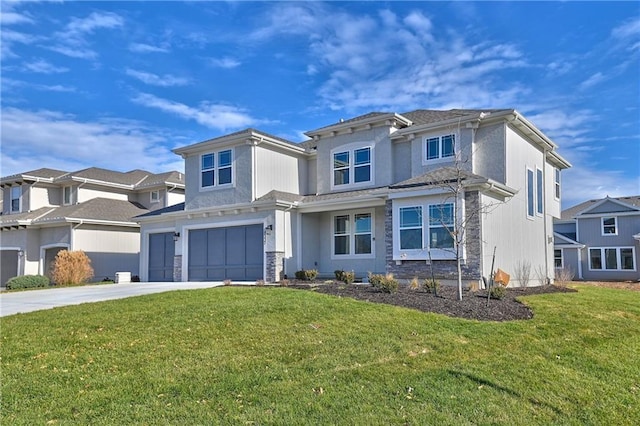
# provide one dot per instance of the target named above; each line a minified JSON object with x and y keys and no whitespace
{"x":364,"y":194}
{"x":599,"y":239}
{"x":45,"y":211}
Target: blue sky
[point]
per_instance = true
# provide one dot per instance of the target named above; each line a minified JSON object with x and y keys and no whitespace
{"x":120,"y":84}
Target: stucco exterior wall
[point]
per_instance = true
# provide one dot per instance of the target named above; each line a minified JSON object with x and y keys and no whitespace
{"x":489,"y":152}
{"x":240,"y":192}
{"x":401,"y":155}
{"x":462,"y":143}
{"x":86,"y":193}
{"x":382,"y":171}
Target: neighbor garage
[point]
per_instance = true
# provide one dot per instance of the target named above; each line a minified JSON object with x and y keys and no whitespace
{"x":234,"y":253}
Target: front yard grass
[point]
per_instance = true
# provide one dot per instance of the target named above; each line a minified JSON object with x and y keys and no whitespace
{"x":235,"y":355}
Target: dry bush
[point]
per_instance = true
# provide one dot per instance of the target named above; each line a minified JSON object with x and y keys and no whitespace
{"x":522,"y":272}
{"x":564,"y":276}
{"x":71,"y":268}
{"x":541,"y":275}
{"x":414,"y":284}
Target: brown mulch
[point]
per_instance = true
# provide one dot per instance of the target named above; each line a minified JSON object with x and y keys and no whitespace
{"x":472,"y":306}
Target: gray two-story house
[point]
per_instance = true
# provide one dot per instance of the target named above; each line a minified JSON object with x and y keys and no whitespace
{"x":598,"y":240}
{"x":373,"y":193}
{"x":45,"y":211}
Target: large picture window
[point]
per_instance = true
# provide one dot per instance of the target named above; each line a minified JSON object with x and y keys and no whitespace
{"x":216,"y":169}
{"x":612,"y":259}
{"x":439,"y":147}
{"x":353,"y":234}
{"x":352,"y":166}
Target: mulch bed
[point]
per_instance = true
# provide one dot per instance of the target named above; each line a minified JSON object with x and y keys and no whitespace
{"x":473,"y":304}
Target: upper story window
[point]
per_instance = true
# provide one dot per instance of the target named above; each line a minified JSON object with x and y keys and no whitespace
{"x":216,"y":169}
{"x":539,"y":192}
{"x":16,"y":198}
{"x":530,"y":193}
{"x":439,"y":147}
{"x":353,"y":234}
{"x":609,"y":226}
{"x":66,"y":195}
{"x":155,"y":196}
{"x":556,"y":182}
{"x":352,"y":166}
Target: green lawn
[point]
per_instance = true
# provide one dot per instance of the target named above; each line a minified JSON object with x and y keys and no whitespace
{"x":280,"y":356}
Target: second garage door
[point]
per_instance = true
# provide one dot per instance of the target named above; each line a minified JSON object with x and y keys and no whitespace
{"x":234,"y":253}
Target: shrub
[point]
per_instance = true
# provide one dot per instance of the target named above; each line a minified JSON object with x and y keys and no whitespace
{"x":375,"y":279}
{"x":71,"y":268}
{"x":338,"y":273}
{"x":523,"y":272}
{"x":135,"y":279}
{"x":497,"y":292}
{"x":284,"y":283}
{"x":414,"y":284}
{"x":348,"y":277}
{"x":227,"y":282}
{"x":307,"y":274}
{"x":564,"y":276}
{"x":27,"y":281}
{"x":389,"y":284}
{"x":260,"y":283}
{"x":432,"y":285}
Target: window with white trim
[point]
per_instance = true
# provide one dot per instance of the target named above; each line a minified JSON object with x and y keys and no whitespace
{"x":439,"y":147}
{"x":609,"y":226}
{"x":539,"y":192}
{"x":530,"y":193}
{"x":352,"y":166}
{"x":16,"y":198}
{"x":353,"y":234}
{"x":66,"y":195}
{"x":556,"y":182}
{"x":411,"y":228}
{"x":155,"y":196}
{"x":441,"y":225}
{"x":558,"y":261}
{"x":612,"y":259}
{"x":216,"y":169}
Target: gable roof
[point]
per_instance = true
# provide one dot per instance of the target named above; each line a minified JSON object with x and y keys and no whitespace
{"x":430,"y":116}
{"x":628,"y":203}
{"x":562,"y":241}
{"x":33,"y":175}
{"x":248,"y":134}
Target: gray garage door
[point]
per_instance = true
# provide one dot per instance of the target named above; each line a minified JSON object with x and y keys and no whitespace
{"x":8,"y":266}
{"x":234,"y":253}
{"x":161,"y":252}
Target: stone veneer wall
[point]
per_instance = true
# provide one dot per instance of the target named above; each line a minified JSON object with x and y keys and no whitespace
{"x":275,"y":266}
{"x":177,"y":268}
{"x":442,"y":269}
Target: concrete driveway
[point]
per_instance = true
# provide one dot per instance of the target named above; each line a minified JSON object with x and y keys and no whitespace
{"x":35,"y":300}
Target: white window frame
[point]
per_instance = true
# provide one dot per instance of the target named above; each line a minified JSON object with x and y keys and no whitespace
{"x":413,"y":227}
{"x":445,"y":226}
{"x":557,"y":184}
{"x":350,"y":150}
{"x":12,"y":198}
{"x":561,"y":258}
{"x":539,"y":192}
{"x":440,"y":141}
{"x":351,"y":234}
{"x":155,"y":199}
{"x":603,"y":260}
{"x":216,"y":168}
{"x":66,"y":201}
{"x":422,"y":253}
{"x":530,"y":193}
{"x":615,"y":226}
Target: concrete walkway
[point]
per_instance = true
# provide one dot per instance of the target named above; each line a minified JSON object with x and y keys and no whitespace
{"x":35,"y":300}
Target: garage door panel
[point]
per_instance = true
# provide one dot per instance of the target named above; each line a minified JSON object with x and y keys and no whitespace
{"x":234,"y":253}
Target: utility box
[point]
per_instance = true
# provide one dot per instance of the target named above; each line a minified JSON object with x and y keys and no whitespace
{"x":123,"y":277}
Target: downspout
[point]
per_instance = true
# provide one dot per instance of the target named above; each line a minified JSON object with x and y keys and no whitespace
{"x":544,"y":213}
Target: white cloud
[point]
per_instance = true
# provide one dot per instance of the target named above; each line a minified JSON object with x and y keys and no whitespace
{"x":43,"y":67}
{"x":568,"y":130}
{"x":628,"y":33}
{"x":227,"y":62}
{"x":216,"y":116}
{"x":13,"y":18}
{"x":588,"y":183}
{"x":147,"y":48}
{"x":166,"y":80}
{"x":593,"y":80}
{"x":33,"y":139}
{"x":73,"y":42}
{"x":9,"y":84}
